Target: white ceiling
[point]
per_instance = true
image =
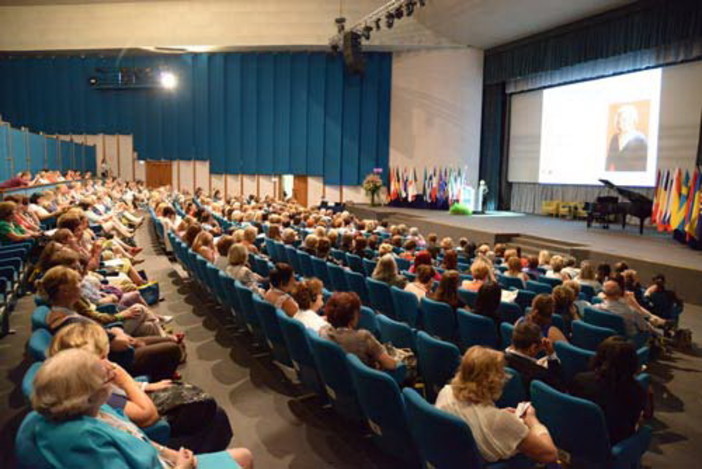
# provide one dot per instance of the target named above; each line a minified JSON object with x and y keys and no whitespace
{"x":42,"y":25}
{"x":488,"y":23}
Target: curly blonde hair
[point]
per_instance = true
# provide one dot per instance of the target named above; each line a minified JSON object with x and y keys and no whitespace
{"x":480,"y":376}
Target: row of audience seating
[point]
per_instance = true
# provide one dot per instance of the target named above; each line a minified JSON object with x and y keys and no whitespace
{"x":394,"y":416}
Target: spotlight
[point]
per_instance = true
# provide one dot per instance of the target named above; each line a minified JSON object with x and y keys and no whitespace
{"x":92,"y":81}
{"x":422,"y":3}
{"x":389,"y":20}
{"x":340,"y":24}
{"x":409,"y":7}
{"x":168,"y":80}
{"x":377,"y":24}
{"x":335,"y":48}
{"x":399,"y":13}
{"x":367,"y":32}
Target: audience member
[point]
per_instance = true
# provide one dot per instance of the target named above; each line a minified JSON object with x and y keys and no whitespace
{"x":423,"y":282}
{"x":527,"y":345}
{"x":499,"y":433}
{"x":283,"y":282}
{"x":447,"y":291}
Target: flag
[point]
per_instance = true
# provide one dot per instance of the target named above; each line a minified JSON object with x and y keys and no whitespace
{"x":393,"y":185}
{"x":677,"y":216}
{"x":434,"y":186}
{"x":425,"y":183}
{"x":412,"y":186}
{"x":665,"y":197}
{"x":673,"y":200}
{"x":656,"y":198}
{"x":692,"y":221}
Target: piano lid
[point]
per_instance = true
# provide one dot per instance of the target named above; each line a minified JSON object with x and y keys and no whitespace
{"x":626,"y":193}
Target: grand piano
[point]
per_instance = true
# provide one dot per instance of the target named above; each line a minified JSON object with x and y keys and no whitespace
{"x":608,"y":209}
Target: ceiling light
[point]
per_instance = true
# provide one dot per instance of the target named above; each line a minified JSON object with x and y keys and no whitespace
{"x":168,"y":80}
{"x":340,"y":24}
{"x":389,"y":20}
{"x":377,"y":24}
{"x":409,"y":7}
{"x":399,"y":13}
{"x":422,"y":3}
{"x":367,"y":32}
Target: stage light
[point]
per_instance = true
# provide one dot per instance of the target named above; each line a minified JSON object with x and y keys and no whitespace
{"x":340,"y":24}
{"x":409,"y":7}
{"x":389,"y":20}
{"x":168,"y":80}
{"x":335,"y":48}
{"x":367,"y":32}
{"x":399,"y":13}
{"x":377,"y":24}
{"x":422,"y":3}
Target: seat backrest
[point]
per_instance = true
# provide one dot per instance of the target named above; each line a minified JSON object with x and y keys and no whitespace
{"x":588,"y":336}
{"x":28,"y":454}
{"x":552,"y":281}
{"x":368,"y":320}
{"x":298,"y":345}
{"x":439,"y":318}
{"x":467,"y":296}
{"x":539,"y":287}
{"x":28,"y":379}
{"x":357,"y":283}
{"x":334,"y":371}
{"x":397,"y":333}
{"x":587,"y":290}
{"x":524,"y":298}
{"x":39,"y":317}
{"x":355,"y":263}
{"x":566,"y":416}
{"x":573,"y":359}
{"x":380,"y":297}
{"x":509,"y":312}
{"x":474,"y":329}
{"x":306,"y":264}
{"x":229,"y":287}
{"x":319,"y":266}
{"x":271,"y":330}
{"x":506,"y":331}
{"x":506,"y":281}
{"x":384,"y":409}
{"x":402,"y":264}
{"x":368,"y":266}
{"x":437,"y":362}
{"x":246,"y":297}
{"x":443,"y":440}
{"x":337,"y":277}
{"x":38,"y":344}
{"x":513,"y":391}
{"x":293,"y":259}
{"x":601,"y":318}
{"x":406,"y":306}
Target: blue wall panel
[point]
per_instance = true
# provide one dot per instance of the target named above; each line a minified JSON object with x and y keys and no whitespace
{"x":18,"y":151}
{"x":90,"y":159}
{"x":37,"y":152}
{"x":65,"y":157}
{"x":4,"y":151}
{"x":52,"y":154}
{"x":251,"y":113}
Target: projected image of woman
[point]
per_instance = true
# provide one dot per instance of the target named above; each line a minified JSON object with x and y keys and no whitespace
{"x":628,"y":147}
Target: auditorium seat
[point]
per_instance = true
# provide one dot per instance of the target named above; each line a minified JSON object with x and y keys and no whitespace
{"x":437,"y":362}
{"x":588,"y":336}
{"x":38,"y":344}
{"x":268,"y":319}
{"x":406,"y":306}
{"x":319,"y":267}
{"x":566,"y":416}
{"x":368,"y":320}
{"x":467,"y":296}
{"x":306,"y":264}
{"x":298,"y":345}
{"x":573,"y":359}
{"x":357,"y":284}
{"x":552,"y":281}
{"x":355,"y":263}
{"x":539,"y":287}
{"x":513,"y":392}
{"x":337,"y":277}
{"x":597,"y":317}
{"x":509,"y":312}
{"x":439,"y":319}
{"x":506,"y":331}
{"x":474,"y":329}
{"x":368,"y":267}
{"x":397,"y":333}
{"x":334,"y":371}
{"x":383,"y":406}
{"x":380,"y":297}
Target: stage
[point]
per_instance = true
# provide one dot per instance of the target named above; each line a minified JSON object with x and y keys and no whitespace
{"x":650,"y":253}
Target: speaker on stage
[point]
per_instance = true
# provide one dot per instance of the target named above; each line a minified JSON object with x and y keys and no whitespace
{"x":353,"y":55}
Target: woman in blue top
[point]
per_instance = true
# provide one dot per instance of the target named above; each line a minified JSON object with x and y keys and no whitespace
{"x":76,"y":429}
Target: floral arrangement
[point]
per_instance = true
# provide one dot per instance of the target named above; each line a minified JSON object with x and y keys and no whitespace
{"x":372,"y":184}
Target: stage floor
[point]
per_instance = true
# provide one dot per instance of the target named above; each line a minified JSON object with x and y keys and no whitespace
{"x":649,"y":253}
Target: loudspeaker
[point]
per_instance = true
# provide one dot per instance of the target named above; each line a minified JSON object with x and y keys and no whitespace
{"x":353,"y":55}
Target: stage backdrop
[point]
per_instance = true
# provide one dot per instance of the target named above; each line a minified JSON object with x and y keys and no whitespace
{"x":247,"y":113}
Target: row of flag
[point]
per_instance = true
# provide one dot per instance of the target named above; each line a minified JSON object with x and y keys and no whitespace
{"x":677,"y":202}
{"x":438,"y":185}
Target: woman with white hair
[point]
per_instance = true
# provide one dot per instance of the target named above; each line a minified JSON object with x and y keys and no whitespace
{"x":77,"y":429}
{"x":386,"y":271}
